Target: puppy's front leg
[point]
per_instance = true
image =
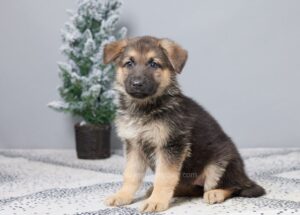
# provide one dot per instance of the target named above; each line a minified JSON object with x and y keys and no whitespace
{"x":133,"y":175}
{"x":166,"y":178}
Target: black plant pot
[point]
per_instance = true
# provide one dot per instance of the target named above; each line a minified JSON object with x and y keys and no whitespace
{"x":92,"y":141}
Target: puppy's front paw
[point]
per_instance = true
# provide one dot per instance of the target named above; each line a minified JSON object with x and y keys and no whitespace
{"x":118,"y":199}
{"x":154,"y":205}
{"x":214,"y":196}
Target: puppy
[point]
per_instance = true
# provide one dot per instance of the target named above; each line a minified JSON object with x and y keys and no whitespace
{"x":169,"y":132}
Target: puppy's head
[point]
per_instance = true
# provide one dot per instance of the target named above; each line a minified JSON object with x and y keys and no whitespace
{"x":145,"y":65}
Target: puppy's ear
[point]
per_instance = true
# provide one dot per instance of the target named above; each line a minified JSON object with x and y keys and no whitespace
{"x":176,"y":54}
{"x":113,"y":50}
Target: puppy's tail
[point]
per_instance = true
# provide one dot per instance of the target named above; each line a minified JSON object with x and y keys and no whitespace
{"x":253,"y":190}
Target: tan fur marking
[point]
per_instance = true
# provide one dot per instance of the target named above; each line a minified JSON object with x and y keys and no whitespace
{"x":163,"y":77}
{"x":166,"y":179}
{"x":217,"y":196}
{"x":212,"y":174}
{"x":156,"y":132}
{"x":120,"y":77}
{"x":133,"y":174}
{"x":132,"y":53}
{"x":150,"y":54}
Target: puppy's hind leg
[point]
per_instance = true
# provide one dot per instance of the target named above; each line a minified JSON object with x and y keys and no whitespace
{"x":233,"y":182}
{"x":213,"y":174}
{"x":217,"y":195}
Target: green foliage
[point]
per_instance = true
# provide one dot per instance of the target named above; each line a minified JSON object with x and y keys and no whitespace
{"x":86,"y":88}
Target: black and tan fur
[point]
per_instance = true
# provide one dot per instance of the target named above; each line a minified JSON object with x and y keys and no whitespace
{"x":169,"y":132}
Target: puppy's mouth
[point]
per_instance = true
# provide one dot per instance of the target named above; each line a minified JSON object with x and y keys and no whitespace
{"x":138,"y":95}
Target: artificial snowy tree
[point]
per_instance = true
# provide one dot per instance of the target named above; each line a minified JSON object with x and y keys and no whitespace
{"x":86,"y":87}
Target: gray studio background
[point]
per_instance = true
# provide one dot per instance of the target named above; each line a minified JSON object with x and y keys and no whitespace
{"x":243,"y":66}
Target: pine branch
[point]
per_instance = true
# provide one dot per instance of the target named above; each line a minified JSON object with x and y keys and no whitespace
{"x":86,"y":88}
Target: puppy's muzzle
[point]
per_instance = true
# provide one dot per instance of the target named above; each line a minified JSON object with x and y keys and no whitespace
{"x":139,"y":87}
{"x":137,"y":84}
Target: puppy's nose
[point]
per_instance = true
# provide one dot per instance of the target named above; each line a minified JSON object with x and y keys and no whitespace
{"x":137,"y":83}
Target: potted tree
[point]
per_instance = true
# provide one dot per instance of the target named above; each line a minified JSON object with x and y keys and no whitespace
{"x":86,"y":89}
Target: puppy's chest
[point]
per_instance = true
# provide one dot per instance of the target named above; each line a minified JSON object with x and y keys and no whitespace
{"x":138,"y":130}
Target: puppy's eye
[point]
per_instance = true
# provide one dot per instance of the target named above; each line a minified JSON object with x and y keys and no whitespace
{"x":129,"y":63}
{"x":154,"y":65}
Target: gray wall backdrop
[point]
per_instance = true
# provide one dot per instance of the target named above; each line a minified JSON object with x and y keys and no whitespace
{"x":243,"y":66}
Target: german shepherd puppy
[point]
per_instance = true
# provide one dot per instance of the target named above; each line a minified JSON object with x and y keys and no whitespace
{"x":169,"y":132}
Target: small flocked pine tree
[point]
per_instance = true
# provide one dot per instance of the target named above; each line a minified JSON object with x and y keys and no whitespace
{"x":86,"y":88}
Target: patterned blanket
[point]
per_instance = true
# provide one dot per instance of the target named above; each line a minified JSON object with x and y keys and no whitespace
{"x":56,"y":182}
